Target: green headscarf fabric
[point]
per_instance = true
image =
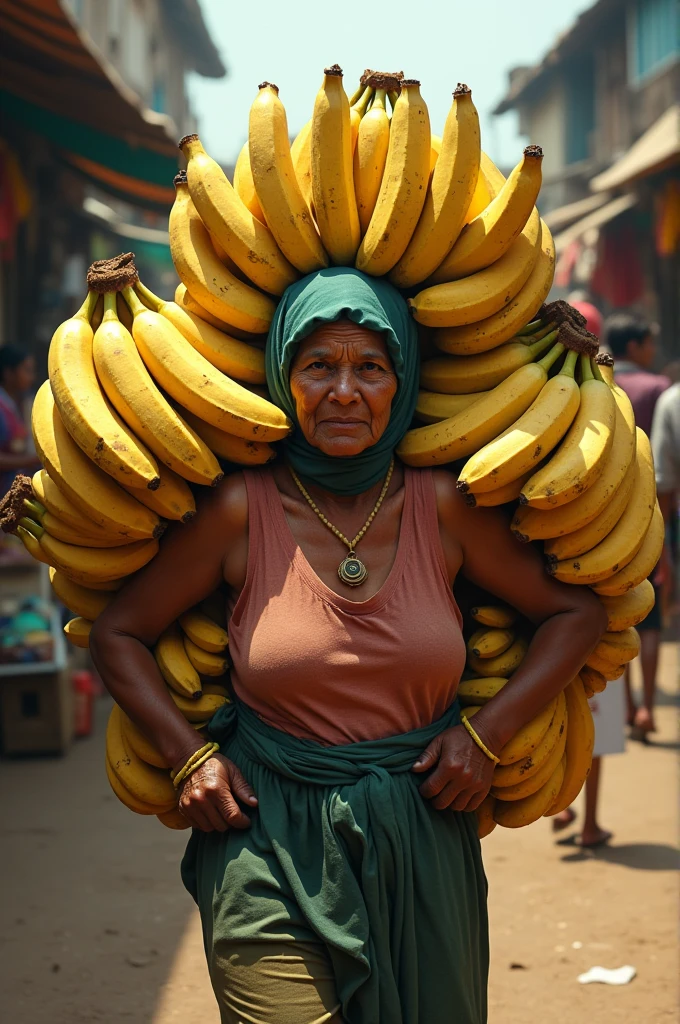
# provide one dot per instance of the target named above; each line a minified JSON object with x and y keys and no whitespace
{"x":343,"y":293}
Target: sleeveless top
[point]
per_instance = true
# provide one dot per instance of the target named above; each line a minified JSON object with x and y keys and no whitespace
{"x":322,"y":667}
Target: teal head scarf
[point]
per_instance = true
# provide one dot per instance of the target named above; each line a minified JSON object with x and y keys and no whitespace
{"x":343,"y":293}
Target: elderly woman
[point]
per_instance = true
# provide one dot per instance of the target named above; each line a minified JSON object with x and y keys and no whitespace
{"x":335,"y":857}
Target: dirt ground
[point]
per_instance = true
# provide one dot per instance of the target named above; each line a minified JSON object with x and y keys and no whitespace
{"x":95,"y":926}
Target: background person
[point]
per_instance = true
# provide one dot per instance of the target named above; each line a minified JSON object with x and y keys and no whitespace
{"x":666,"y":449}
{"x":17,"y":377}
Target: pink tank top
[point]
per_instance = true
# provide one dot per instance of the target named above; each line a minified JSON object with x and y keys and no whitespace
{"x":325,"y":668}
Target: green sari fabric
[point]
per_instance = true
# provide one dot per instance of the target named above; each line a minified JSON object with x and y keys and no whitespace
{"x":345,"y":851}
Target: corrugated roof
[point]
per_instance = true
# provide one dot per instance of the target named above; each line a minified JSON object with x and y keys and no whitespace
{"x":187,"y":19}
{"x":658,"y":148}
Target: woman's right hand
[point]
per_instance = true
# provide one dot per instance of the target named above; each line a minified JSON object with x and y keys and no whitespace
{"x":208,"y":796}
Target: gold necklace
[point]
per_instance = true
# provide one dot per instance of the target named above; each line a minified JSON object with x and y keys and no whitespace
{"x":351,"y":570}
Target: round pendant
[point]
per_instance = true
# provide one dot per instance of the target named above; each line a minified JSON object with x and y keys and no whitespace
{"x":352,"y":570}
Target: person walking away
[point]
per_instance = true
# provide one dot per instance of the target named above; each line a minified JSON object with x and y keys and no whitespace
{"x":666,"y":449}
{"x":631,"y":342}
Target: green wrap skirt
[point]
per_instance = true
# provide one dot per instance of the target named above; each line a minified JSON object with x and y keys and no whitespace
{"x":348,"y":881}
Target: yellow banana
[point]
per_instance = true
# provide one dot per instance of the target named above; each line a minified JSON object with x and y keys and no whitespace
{"x":85,"y":532}
{"x":357,"y":111}
{"x":195,"y":383}
{"x":523,"y":812}
{"x":529,"y":439}
{"x":579,"y":747}
{"x":99,"y":564}
{"x":485,"y":821}
{"x":86,"y":486}
{"x":482,"y":294}
{"x":301,"y":155}
{"x":569,"y":545}
{"x":499,"y":615}
{"x":489,"y":236}
{"x":605,"y":667}
{"x":583,"y":453}
{"x":174,"y":819}
{"x":205,"y":277}
{"x":32,"y":544}
{"x":505,"y":495}
{"x":630,"y":608}
{"x":80,"y":600}
{"x":525,"y":741}
{"x":201,"y":710}
{"x":132,"y":392}
{"x":470,"y":710}
{"x":77,"y":632}
{"x":503,"y":664}
{"x":489,"y":184}
{"x":244,"y":186}
{"x":531,"y":783}
{"x":641,"y":565}
{"x":248,"y":242}
{"x":84,"y":411}
{"x":404,"y":184}
{"x":175,"y":667}
{"x":229,"y":447}
{"x":448,"y":196}
{"x":136,"y":741}
{"x":49,"y":495}
{"x":172,"y":500}
{"x":626,"y":539}
{"x":204,"y":662}
{"x":619,"y":645}
{"x":70,"y":535}
{"x":215,"y":688}
{"x":230,"y":355}
{"x":479,"y":691}
{"x":203,"y":631}
{"x":433,"y":408}
{"x":489,"y":642}
{"x":284,"y":206}
{"x":471,"y":429}
{"x":188,"y":303}
{"x":494,"y":330}
{"x":150,"y":785}
{"x":335,"y":204}
{"x":511,"y":775}
{"x":124,"y":795}
{"x":592,"y":680}
{"x":471,"y":374}
{"x":370,"y":157}
{"x":538,"y":524}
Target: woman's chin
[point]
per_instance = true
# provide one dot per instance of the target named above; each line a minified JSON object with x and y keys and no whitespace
{"x":342,"y":447}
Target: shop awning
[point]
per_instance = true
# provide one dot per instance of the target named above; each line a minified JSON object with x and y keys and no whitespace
{"x":657,"y":149}
{"x":596,"y":219}
{"x":564,"y":215}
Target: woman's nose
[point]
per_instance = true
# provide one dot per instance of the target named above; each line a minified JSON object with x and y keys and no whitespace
{"x":345,"y":389}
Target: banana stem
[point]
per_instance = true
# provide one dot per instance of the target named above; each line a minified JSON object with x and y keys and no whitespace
{"x":86,"y":311}
{"x":594,"y":366}
{"x":35,"y":508}
{"x":530,"y":328}
{"x":552,"y":356}
{"x":569,"y":364}
{"x":537,"y":347}
{"x":356,"y":94}
{"x":379,"y":98}
{"x":110,"y":307}
{"x":393,"y":97}
{"x":32,"y":527}
{"x":529,"y":339}
{"x":362,"y":103}
{"x":149,"y":297}
{"x":584,"y":366}
{"x":133,"y":301}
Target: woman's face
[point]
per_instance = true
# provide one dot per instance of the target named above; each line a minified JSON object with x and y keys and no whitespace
{"x":343,"y":383}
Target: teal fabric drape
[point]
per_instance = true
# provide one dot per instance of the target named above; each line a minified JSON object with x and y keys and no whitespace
{"x":324,"y":297}
{"x":343,"y":847}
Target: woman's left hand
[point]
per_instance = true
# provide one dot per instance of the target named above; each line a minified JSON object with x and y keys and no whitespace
{"x":462,"y":772}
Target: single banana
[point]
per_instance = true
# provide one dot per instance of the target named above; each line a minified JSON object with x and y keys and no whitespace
{"x":501,"y":616}
{"x":503,"y":664}
{"x":205,"y":663}
{"x":489,"y":236}
{"x":489,"y":642}
{"x":489,"y":184}
{"x":403,"y":189}
{"x":433,"y":408}
{"x":592,"y":680}
{"x":508,"y":494}
{"x":538,"y":524}
{"x":236,"y":358}
{"x":529,"y":439}
{"x":248,"y":242}
{"x":80,"y":600}
{"x":510,"y":775}
{"x":32,"y":544}
{"x":86,"y":486}
{"x":639,"y":567}
{"x":85,"y":532}
{"x":476,"y":426}
{"x":482,"y":294}
{"x":458,"y":375}
{"x":84,"y":411}
{"x":124,"y":795}
{"x":370,"y":157}
{"x":534,"y":782}
{"x":244,"y":186}
{"x":286,"y":212}
{"x":526,"y":739}
{"x":174,"y":665}
{"x":625,"y":540}
{"x":174,"y":819}
{"x":478,"y":692}
{"x":188,"y":303}
{"x":70,"y":535}
{"x":205,"y":277}
{"x":605,"y":667}
{"x":619,"y":645}
{"x":198,"y":712}
{"x":195,"y":383}
{"x":203,"y":631}
{"x":49,"y":495}
{"x":150,"y":785}
{"x":578,"y":749}
{"x":215,"y":688}
{"x":77,"y":632}
{"x":519,"y":813}
{"x":494,"y":330}
{"x":448,"y":196}
{"x":630,"y":608}
{"x":301,"y":155}
{"x":485,"y":820}
{"x":227,"y":446}
{"x":136,"y":741}
{"x":131,"y":390}
{"x":172,"y":500}
{"x":583,"y":454}
{"x":569,"y":545}
{"x":99,"y":564}
{"x":357,"y":110}
{"x":335,"y":204}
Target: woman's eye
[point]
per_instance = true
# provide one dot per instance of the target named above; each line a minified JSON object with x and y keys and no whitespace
{"x":317,"y":365}
{"x":372,"y":366}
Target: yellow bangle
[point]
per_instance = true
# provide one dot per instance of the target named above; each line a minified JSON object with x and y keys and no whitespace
{"x":198,"y":758}
{"x":478,"y":741}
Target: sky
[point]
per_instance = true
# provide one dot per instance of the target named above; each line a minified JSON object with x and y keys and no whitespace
{"x":440,"y":42}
